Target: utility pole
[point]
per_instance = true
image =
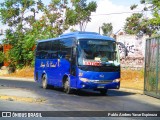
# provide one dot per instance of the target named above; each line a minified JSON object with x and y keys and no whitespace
{"x":115,"y":35}
{"x":1,"y":32}
{"x":99,"y":30}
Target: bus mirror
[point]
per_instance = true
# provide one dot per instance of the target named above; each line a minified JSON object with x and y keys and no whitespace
{"x":74,"y":51}
{"x":115,"y":53}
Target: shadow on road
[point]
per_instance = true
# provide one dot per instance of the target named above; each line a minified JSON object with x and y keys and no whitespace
{"x":94,"y":93}
{"x":39,"y":90}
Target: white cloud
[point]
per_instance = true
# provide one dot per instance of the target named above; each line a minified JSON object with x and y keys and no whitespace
{"x":105,"y":7}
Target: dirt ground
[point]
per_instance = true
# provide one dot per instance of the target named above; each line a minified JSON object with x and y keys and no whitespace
{"x":133,"y":79}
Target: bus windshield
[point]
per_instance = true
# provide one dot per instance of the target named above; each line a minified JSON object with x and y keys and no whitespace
{"x":97,"y":52}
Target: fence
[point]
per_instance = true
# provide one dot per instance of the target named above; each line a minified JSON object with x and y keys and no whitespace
{"x":152,"y":67}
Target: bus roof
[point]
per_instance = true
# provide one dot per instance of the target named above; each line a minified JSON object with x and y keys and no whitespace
{"x":81,"y":35}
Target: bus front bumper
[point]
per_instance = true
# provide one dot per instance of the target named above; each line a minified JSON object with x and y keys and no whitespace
{"x":102,"y":84}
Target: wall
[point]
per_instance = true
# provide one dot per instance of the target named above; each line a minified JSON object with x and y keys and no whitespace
{"x":135,"y":48}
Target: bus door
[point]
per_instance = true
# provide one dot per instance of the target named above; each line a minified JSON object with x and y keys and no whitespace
{"x":66,"y":61}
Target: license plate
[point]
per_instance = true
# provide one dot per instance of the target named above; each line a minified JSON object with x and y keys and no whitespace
{"x":100,"y":87}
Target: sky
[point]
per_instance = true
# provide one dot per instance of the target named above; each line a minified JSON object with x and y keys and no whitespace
{"x":111,"y":7}
{"x":101,"y":16}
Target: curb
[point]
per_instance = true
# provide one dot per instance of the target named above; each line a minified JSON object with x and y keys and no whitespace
{"x":132,"y":90}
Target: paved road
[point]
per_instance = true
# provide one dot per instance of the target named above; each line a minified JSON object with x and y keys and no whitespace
{"x":57,"y":100}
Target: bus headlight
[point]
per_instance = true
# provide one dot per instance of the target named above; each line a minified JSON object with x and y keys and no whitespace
{"x":116,"y":80}
{"x":84,"y":79}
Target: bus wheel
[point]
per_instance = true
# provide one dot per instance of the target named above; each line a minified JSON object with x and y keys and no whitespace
{"x":103,"y":92}
{"x":44,"y":82}
{"x":67,"y":88}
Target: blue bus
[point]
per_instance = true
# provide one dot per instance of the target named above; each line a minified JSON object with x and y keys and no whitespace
{"x":78,"y":60}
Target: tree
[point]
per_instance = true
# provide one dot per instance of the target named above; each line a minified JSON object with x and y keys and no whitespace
{"x":138,"y":24}
{"x":80,"y":13}
{"x":107,"y":29}
{"x":154,"y":7}
{"x":24,"y":29}
{"x":26,"y":25}
{"x":2,"y":57}
{"x":13,"y":13}
{"x":53,"y":20}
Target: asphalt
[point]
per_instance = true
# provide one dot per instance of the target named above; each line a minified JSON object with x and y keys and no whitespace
{"x":24,"y":93}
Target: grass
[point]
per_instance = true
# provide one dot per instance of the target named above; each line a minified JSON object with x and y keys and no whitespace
{"x":133,"y":79}
{"x":26,"y":72}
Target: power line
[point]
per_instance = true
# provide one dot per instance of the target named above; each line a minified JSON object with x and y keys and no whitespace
{"x":118,"y":13}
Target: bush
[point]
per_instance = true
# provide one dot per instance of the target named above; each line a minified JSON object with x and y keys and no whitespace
{"x":2,"y":56}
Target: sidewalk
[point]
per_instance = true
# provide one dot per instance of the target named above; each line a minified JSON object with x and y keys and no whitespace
{"x":16,"y":78}
{"x":19,"y":94}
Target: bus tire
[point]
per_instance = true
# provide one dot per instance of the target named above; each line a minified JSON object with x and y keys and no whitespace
{"x":44,"y":82}
{"x":103,"y":92}
{"x":67,"y":88}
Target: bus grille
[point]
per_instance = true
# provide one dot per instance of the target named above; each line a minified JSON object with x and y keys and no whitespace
{"x":101,"y":81}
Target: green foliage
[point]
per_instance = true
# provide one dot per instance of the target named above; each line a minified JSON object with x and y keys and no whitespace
{"x":80,"y":13}
{"x":154,"y":6}
{"x":26,"y":26}
{"x":107,"y":29}
{"x":142,"y":1}
{"x":1,"y":57}
{"x":73,"y":30}
{"x":133,"y":7}
{"x":135,"y":25}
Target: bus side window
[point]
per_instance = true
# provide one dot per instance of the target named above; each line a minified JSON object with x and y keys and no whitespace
{"x":43,"y":54}
{"x":54,"y":55}
{"x":55,"y":47}
{"x":66,"y":48}
{"x":68,"y":57}
{"x":43,"y":49}
{"x":61,"y":54}
{"x":37,"y":55}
